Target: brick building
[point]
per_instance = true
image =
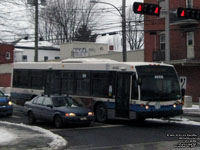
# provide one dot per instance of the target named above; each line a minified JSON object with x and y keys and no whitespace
{"x":184,"y":42}
{"x":6,"y":60}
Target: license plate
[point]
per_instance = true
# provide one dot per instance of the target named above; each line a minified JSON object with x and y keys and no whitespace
{"x":83,"y":118}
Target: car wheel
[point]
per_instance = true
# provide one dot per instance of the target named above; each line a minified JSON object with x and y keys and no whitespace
{"x":58,"y":121}
{"x":101,"y":113}
{"x":31,"y":118}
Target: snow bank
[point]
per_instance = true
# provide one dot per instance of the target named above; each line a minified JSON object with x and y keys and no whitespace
{"x":57,"y":141}
{"x":6,"y":136}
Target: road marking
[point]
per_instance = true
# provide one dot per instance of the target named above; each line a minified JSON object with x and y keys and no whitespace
{"x":15,"y":117}
{"x":86,"y":128}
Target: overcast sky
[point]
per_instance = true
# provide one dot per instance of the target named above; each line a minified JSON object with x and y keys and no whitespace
{"x":113,"y":19}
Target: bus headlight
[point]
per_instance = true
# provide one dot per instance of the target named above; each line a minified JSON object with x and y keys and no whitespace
{"x":174,"y":105}
{"x":147,"y":107}
{"x":10,"y":103}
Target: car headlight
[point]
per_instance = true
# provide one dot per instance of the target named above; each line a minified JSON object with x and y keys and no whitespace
{"x":90,"y":114}
{"x":70,"y":114}
{"x":10,"y":103}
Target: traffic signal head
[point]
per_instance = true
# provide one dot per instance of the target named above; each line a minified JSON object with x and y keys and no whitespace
{"x":188,"y":13}
{"x":146,"y":8}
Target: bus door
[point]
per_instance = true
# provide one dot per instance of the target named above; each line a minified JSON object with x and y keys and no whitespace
{"x":53,"y":82}
{"x":122,"y":97}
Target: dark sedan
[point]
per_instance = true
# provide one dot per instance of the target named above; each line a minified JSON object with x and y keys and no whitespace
{"x":57,"y":109}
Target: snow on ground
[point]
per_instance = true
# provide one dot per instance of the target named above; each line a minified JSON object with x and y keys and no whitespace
{"x":177,"y":121}
{"x":8,"y":137}
{"x":192,"y":108}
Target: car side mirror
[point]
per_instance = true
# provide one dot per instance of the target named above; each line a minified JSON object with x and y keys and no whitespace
{"x":183,"y":92}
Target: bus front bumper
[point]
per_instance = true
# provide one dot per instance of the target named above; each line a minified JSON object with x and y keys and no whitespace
{"x":159,"y":114}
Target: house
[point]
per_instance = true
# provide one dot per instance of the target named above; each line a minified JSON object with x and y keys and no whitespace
{"x":6,"y":60}
{"x":77,"y":49}
{"x":184,"y":43}
{"x":25,"y":51}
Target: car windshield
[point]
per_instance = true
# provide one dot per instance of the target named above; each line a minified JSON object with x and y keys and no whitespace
{"x":1,"y":94}
{"x":59,"y":101}
{"x":65,"y":101}
{"x":71,"y":102}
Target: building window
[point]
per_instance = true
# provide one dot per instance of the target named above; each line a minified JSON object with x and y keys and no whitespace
{"x":190,"y":38}
{"x":189,"y":3}
{"x":46,"y":58}
{"x":162,"y":41}
{"x":7,"y":55}
{"x":162,"y":5}
{"x":57,"y":57}
{"x":24,"y":58}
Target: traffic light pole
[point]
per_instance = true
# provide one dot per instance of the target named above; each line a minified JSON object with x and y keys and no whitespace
{"x":124,"y":30}
{"x":36,"y":31}
{"x":123,"y":15}
{"x":167,"y":33}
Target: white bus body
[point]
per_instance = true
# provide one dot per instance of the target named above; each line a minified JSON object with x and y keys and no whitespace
{"x":128,"y":90}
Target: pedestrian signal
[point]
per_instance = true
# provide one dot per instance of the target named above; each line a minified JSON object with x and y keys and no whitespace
{"x":188,"y":13}
{"x":146,"y":8}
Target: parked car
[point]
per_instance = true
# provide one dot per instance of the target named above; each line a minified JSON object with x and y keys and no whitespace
{"x":6,"y":107}
{"x":57,"y":109}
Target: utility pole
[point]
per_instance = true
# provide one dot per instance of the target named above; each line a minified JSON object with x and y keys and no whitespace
{"x":167,"y":33}
{"x":123,"y":16}
{"x":124,"y":30}
{"x":36,"y":31}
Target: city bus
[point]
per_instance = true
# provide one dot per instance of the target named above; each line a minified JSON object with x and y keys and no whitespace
{"x":114,"y":90}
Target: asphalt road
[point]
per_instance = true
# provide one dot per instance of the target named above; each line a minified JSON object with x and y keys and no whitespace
{"x":123,"y":135}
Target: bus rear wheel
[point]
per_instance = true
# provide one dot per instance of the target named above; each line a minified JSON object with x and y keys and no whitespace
{"x":101,"y":113}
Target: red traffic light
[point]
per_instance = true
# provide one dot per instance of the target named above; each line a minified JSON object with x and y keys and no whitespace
{"x":157,"y":11}
{"x":188,"y":13}
{"x":183,"y":13}
{"x":139,"y":8}
{"x":146,"y":8}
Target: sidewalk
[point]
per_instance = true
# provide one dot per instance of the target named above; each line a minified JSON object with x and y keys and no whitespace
{"x":192,"y":111}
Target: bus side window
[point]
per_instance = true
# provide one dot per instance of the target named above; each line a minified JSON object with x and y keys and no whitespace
{"x":134,"y":87}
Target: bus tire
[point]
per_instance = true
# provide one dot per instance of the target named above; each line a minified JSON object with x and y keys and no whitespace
{"x":101,"y":113}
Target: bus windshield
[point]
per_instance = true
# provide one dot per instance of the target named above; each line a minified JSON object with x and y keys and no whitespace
{"x":158,"y":83}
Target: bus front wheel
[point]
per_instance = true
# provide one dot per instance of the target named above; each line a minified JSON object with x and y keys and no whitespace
{"x":101,"y":113}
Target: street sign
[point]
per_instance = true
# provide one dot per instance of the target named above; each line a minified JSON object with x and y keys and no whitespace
{"x":183,"y":82}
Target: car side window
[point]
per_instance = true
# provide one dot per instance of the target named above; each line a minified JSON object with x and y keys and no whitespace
{"x":38,"y":100}
{"x":47,"y":101}
{"x":1,"y":94}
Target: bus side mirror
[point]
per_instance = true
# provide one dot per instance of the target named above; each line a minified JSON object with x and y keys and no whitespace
{"x":183,"y":92}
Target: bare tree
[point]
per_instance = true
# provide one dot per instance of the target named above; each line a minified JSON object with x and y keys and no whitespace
{"x":61,"y":20}
{"x":135,"y":30}
{"x":12,"y":24}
